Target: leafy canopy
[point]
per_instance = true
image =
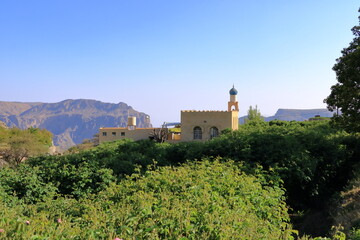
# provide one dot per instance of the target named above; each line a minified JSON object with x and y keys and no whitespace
{"x":198,"y":200}
{"x":254,"y":115}
{"x":16,"y":145}
{"x":345,"y":95}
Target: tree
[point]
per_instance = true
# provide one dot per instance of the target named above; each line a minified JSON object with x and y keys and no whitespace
{"x":345,"y":95}
{"x":159,"y":135}
{"x":17,"y":145}
{"x":254,"y":114}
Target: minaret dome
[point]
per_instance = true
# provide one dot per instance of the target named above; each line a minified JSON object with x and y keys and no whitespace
{"x":233,"y":104}
{"x":233,"y":91}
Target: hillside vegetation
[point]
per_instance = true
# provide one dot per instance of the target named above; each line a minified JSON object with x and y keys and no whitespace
{"x":190,"y":190}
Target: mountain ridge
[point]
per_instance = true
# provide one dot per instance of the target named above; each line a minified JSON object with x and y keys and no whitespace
{"x":289,"y":114}
{"x":71,"y":120}
{"x":14,"y":108}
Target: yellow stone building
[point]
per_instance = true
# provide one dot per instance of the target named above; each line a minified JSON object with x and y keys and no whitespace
{"x":195,"y":125}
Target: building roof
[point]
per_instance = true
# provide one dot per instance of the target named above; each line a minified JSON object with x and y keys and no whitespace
{"x":169,"y":124}
{"x":203,"y":111}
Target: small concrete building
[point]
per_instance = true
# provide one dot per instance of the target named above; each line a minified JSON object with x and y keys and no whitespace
{"x":110,"y":134}
{"x":116,"y":133}
{"x":195,"y":125}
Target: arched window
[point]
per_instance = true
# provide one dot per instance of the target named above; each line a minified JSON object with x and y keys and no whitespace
{"x":197,"y":133}
{"x":214,"y":132}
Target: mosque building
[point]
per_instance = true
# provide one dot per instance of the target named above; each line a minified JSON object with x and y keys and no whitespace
{"x":194,"y":125}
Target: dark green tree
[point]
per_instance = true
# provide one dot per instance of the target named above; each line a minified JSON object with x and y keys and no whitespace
{"x":345,"y":94}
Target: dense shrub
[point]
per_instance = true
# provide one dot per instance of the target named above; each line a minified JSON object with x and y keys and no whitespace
{"x":25,"y":183}
{"x":75,"y":175}
{"x":313,"y":159}
{"x":200,"y":200}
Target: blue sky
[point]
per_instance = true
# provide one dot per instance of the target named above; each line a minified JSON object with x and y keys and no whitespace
{"x":161,"y":57}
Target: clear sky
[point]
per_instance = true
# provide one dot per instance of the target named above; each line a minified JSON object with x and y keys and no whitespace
{"x":162,"y":56}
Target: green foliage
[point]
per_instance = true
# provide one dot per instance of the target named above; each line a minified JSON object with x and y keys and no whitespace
{"x":200,"y":200}
{"x":313,"y":160}
{"x":74,"y":175}
{"x":16,"y":145}
{"x":253,"y":115}
{"x":25,"y":183}
{"x":208,"y":200}
{"x":345,"y":95}
{"x":355,"y":234}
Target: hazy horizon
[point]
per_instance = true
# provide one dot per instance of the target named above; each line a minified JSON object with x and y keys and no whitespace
{"x":162,"y":57}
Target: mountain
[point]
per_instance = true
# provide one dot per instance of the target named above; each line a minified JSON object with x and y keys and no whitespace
{"x":14,"y":108}
{"x":299,"y":114}
{"x":71,"y":121}
{"x":295,"y":114}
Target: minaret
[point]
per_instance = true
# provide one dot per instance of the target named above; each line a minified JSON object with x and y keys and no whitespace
{"x":233,"y":104}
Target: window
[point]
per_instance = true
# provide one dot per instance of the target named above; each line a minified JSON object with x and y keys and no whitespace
{"x":197,"y":133}
{"x":122,"y":134}
{"x":104,"y":134}
{"x":113,"y":133}
{"x":214,"y":132}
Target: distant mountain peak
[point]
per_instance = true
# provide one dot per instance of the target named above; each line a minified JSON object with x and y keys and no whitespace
{"x":71,"y":120}
{"x":295,"y":114}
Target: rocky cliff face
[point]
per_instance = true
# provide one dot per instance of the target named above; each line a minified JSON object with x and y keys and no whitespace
{"x":71,"y":121}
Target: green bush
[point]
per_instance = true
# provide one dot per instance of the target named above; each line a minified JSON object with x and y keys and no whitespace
{"x":355,"y":234}
{"x":75,"y":175}
{"x":313,"y":159}
{"x":25,"y":183}
{"x":199,"y":200}
{"x":208,"y":200}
